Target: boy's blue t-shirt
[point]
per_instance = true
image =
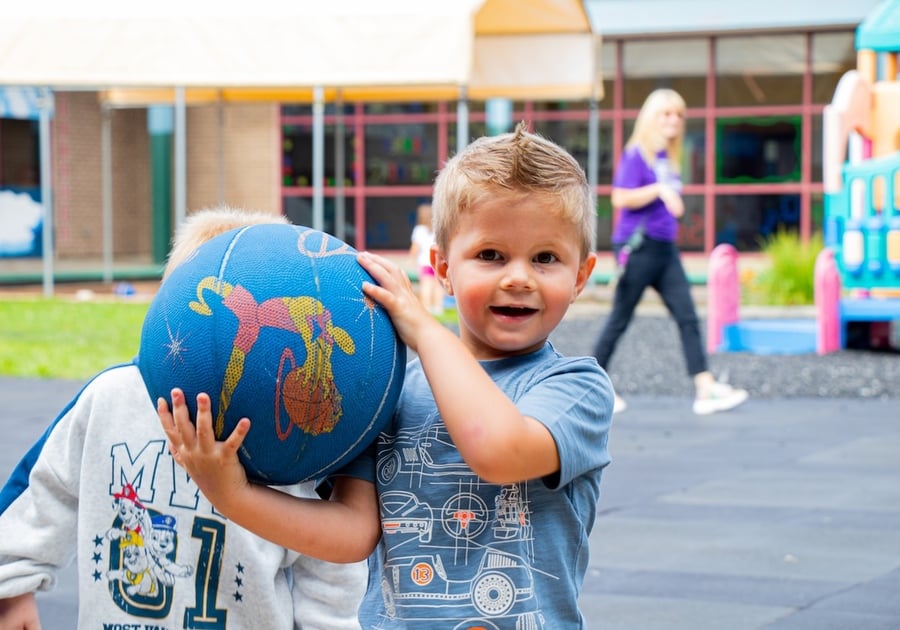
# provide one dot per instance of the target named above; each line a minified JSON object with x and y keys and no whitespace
{"x":634,"y":172}
{"x":458,"y":549}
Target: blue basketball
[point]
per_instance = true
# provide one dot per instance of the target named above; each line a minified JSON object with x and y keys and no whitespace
{"x":271,"y":321}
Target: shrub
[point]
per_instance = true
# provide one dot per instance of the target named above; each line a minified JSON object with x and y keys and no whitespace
{"x":787,"y":278}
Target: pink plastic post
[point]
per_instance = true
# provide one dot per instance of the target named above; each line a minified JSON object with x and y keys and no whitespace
{"x":723,"y":294}
{"x":827,"y":285}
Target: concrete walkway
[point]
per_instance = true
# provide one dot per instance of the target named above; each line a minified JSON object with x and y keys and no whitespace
{"x":782,"y":514}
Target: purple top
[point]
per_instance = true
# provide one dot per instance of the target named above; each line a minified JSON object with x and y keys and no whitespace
{"x":634,"y":172}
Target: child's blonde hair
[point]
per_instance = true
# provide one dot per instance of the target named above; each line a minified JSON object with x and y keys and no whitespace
{"x":513,"y":164}
{"x":646,"y":135}
{"x":202,"y":225}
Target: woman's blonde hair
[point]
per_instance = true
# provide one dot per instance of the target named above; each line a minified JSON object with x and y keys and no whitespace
{"x":646,"y":135}
{"x":514,"y":164}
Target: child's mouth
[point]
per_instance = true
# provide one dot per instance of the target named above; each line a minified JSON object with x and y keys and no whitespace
{"x":513,"y":311}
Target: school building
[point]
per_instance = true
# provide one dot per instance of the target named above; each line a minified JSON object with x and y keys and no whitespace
{"x":755,"y":75}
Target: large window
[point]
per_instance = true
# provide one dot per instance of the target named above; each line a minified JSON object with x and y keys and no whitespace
{"x":758,"y":150}
{"x":747,"y":221}
{"x":376,"y":176}
{"x":19,"y":156}
{"x":679,"y":64}
{"x":752,"y":160}
{"x":390,"y":221}
{"x":692,"y":234}
{"x":297,"y":160}
{"x":21,"y":223}
{"x":833,"y":54}
{"x":608,"y":64}
{"x":760,"y":70}
{"x":401,"y":154}
{"x":342,"y":224}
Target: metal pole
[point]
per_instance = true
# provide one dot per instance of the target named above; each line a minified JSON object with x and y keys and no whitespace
{"x":46,"y":190}
{"x":462,"y":120}
{"x":220,"y":162}
{"x":340,"y":227}
{"x":318,"y":157}
{"x":180,"y":157}
{"x":593,"y":157}
{"x":106,"y":175}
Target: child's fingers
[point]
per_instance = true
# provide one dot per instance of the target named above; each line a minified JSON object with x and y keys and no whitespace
{"x":234,"y":441}
{"x":377,"y":266}
{"x":168,"y":423}
{"x":376,"y":292}
{"x":184,"y":429}
{"x":205,"y":434}
{"x":165,"y":416}
{"x":390,"y":278}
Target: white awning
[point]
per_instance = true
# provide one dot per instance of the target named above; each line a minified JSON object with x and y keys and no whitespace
{"x":541,"y":66}
{"x":179,"y":51}
{"x":389,"y":49}
{"x":304,"y":43}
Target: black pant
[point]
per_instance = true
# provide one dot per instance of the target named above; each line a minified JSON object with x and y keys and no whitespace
{"x":655,"y":264}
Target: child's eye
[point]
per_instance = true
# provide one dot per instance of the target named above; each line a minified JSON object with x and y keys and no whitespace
{"x":489,"y":254}
{"x":545,"y":258}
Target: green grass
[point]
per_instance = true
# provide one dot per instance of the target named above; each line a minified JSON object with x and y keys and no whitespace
{"x":55,"y":338}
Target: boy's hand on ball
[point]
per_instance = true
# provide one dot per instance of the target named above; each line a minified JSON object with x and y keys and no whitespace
{"x":395,"y":293}
{"x":213,"y":465}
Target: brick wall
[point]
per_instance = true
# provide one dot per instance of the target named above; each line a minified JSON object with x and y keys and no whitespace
{"x":75,"y":163}
{"x":232,"y":157}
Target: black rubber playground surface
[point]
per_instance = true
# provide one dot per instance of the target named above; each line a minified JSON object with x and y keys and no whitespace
{"x":782,"y":514}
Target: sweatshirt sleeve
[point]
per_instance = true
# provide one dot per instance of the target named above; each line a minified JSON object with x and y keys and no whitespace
{"x":40,"y":507}
{"x":326,"y":595}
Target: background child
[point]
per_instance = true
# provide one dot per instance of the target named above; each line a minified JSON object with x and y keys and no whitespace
{"x":481,"y":494}
{"x":152,"y":552}
{"x":430,"y":292}
{"x":647,"y":190}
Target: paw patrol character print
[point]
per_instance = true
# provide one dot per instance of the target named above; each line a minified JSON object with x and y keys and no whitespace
{"x":136,"y":573}
{"x":133,"y":516}
{"x":161,"y":545}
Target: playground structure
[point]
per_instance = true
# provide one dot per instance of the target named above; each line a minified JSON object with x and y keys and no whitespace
{"x":857,"y":274}
{"x":861,"y":178}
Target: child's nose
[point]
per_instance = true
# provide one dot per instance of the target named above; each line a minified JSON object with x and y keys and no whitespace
{"x":518,"y":275}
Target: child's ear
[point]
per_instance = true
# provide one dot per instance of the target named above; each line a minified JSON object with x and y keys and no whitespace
{"x":584,"y":274}
{"x":439,"y":264}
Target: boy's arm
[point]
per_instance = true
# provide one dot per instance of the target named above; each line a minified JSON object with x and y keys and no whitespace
{"x":40,"y":500}
{"x":500,"y":446}
{"x":19,"y":613}
{"x":345,"y":528}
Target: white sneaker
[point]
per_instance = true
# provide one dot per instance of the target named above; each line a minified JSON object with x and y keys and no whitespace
{"x":619,"y":404}
{"x":722,"y":397}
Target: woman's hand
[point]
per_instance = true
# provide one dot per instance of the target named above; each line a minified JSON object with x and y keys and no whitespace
{"x":673,"y":201}
{"x":213,"y":465}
